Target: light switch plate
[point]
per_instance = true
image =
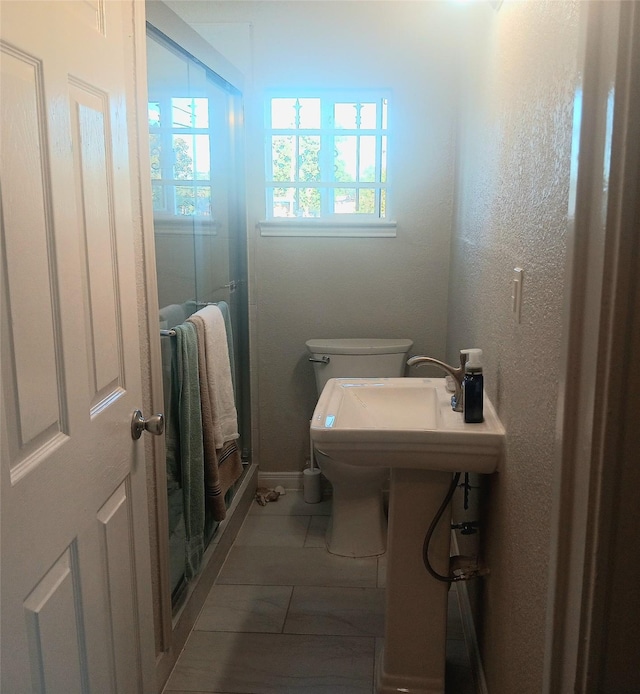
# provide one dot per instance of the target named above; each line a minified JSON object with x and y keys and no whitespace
{"x":516,"y":293}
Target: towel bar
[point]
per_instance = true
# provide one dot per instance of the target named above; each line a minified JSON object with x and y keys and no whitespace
{"x":200,"y":304}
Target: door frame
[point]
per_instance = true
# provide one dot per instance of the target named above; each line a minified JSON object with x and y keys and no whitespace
{"x":599,"y":385}
{"x":148,"y":310}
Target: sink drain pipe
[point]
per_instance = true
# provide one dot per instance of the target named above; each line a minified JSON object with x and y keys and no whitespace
{"x":465,"y":567}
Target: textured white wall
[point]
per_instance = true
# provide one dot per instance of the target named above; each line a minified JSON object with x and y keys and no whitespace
{"x":511,"y":210}
{"x":305,"y":288}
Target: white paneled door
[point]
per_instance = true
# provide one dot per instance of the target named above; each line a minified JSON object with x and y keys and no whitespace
{"x":75,"y":578}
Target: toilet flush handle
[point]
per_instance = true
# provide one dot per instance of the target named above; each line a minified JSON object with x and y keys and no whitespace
{"x":321,"y":360}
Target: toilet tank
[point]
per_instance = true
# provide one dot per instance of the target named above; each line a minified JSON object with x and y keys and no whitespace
{"x":357,"y":358}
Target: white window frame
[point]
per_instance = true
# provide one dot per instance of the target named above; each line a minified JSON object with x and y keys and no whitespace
{"x":330,"y":223}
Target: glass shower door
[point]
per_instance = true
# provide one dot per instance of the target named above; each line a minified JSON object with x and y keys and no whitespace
{"x":194,"y":123}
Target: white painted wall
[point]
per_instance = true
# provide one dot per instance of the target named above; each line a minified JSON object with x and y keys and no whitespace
{"x":512,"y":204}
{"x":305,"y":288}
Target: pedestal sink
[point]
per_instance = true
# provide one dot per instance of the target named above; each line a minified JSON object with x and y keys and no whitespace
{"x":407,"y":424}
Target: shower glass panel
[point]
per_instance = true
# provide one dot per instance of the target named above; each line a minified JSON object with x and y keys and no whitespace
{"x":195,"y":119}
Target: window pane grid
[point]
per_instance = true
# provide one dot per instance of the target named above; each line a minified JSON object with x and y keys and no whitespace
{"x":336,"y":168}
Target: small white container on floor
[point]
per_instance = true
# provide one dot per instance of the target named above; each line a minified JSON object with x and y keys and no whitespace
{"x":311,"y":489}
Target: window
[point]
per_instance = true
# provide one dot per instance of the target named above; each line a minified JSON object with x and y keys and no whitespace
{"x":326,"y":156}
{"x":180,"y":156}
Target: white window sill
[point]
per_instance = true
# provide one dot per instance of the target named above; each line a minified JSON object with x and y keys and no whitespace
{"x":336,"y":229}
{"x":185,"y":225}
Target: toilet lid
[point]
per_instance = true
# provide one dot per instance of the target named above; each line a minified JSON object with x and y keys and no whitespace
{"x":359,"y":346}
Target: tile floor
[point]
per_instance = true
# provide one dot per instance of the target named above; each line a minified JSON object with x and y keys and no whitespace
{"x":287,"y":617}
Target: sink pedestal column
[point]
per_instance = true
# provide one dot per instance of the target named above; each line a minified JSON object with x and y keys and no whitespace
{"x":413,"y":660}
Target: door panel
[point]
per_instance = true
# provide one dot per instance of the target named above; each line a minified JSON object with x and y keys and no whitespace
{"x":90,"y":117}
{"x":119,"y":553}
{"x":38,"y":399}
{"x":75,"y":587}
{"x":54,"y":607}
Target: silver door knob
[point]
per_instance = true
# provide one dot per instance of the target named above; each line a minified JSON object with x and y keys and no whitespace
{"x":154,"y":424}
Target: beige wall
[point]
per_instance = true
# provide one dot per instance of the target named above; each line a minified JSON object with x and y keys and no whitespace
{"x":511,"y":210}
{"x":305,"y":288}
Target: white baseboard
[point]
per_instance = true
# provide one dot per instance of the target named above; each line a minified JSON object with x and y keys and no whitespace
{"x":288,"y":480}
{"x":469,"y":629}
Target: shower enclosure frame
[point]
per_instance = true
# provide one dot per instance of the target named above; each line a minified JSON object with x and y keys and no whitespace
{"x":173,"y":625}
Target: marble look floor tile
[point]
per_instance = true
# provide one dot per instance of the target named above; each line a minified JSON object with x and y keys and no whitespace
{"x":273,"y":531}
{"x":245,"y":608}
{"x":253,"y":594}
{"x":316,"y":535}
{"x":292,"y":566}
{"x":293,"y":504}
{"x":274,"y":664}
{"x":339,"y":611}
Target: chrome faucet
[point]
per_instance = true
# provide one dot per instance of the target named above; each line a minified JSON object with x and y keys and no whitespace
{"x":456,"y":373}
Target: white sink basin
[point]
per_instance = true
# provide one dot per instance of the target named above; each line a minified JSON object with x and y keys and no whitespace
{"x":403,"y":423}
{"x":407,"y":424}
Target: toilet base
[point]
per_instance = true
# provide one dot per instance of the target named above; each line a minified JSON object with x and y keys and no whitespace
{"x":358,"y":526}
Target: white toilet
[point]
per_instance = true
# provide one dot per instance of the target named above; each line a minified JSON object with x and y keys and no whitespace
{"x":358,"y":526}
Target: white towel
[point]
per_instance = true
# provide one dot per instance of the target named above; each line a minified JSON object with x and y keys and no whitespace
{"x":225,"y":418}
